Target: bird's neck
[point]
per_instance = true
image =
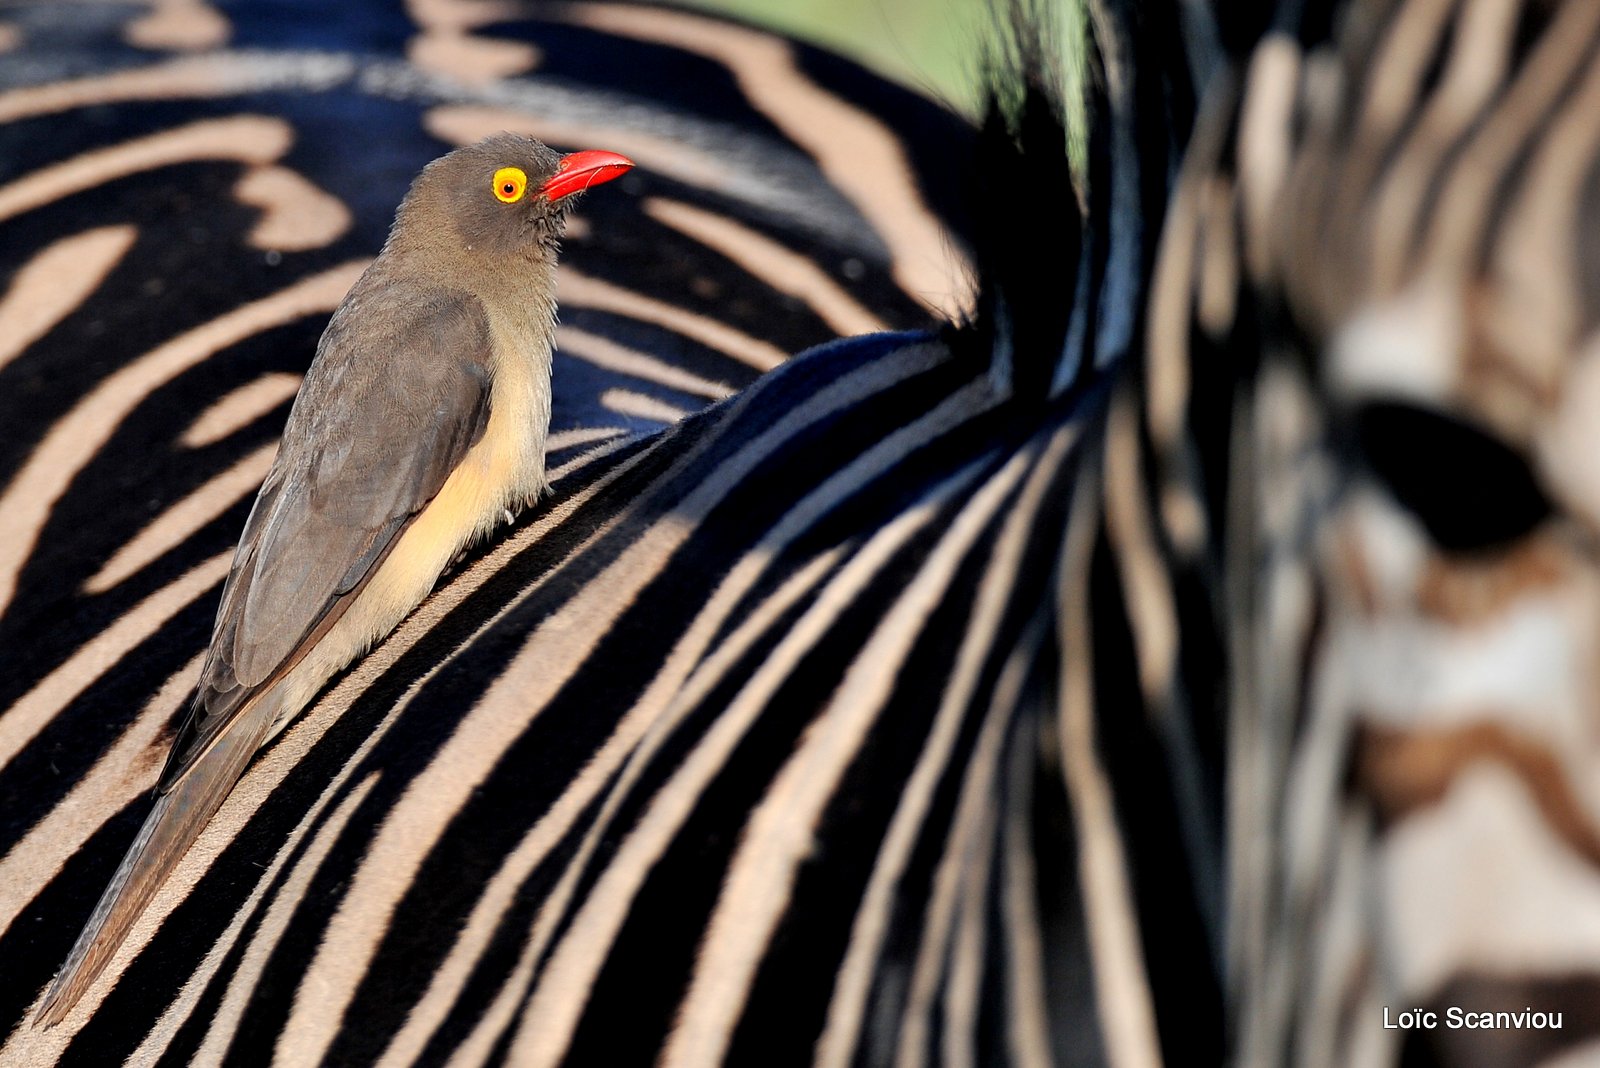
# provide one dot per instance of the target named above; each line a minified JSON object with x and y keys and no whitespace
{"x":523,"y":301}
{"x":517,"y":287}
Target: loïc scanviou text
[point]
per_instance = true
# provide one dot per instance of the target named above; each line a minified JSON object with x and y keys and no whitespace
{"x":1456,"y":1018}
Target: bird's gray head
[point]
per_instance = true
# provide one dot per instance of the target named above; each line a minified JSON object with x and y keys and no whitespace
{"x":505,"y":195}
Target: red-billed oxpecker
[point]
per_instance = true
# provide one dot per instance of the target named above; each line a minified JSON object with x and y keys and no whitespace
{"x":420,"y":424}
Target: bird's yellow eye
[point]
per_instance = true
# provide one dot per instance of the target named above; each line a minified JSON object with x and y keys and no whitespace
{"x":509,"y":184}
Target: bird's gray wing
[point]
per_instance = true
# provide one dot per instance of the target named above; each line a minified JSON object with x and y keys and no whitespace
{"x":398,"y":393}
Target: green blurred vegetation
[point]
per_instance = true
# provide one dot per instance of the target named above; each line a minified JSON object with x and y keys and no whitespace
{"x":934,"y":46}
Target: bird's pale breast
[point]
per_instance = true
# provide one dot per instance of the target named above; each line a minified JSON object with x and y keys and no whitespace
{"x":504,"y":469}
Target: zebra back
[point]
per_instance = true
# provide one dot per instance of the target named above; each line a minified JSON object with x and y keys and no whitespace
{"x":149,"y":383}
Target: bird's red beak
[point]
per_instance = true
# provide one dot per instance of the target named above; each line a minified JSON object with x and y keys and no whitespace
{"x":579,"y":170}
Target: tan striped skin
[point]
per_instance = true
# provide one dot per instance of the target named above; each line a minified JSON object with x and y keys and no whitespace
{"x":1180,"y":665}
{"x":687,"y":666}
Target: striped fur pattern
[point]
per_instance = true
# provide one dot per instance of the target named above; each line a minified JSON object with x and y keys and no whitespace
{"x":576,"y":809}
{"x":1378,"y":266}
{"x":878,"y":713}
{"x":812,"y":727}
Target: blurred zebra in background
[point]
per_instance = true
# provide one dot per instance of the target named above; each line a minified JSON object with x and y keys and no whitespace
{"x":1367,"y":358}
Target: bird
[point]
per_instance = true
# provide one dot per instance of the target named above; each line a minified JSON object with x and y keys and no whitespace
{"x":420,"y":424}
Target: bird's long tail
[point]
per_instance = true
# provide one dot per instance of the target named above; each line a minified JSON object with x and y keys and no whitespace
{"x":171,"y":828}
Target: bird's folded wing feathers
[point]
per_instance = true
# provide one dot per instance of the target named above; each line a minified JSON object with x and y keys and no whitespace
{"x":386,"y":412}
